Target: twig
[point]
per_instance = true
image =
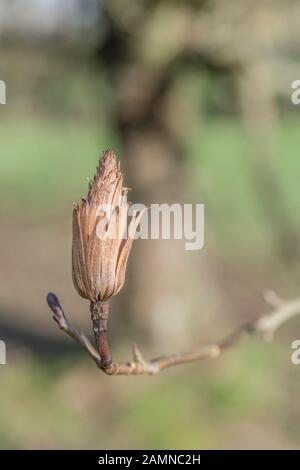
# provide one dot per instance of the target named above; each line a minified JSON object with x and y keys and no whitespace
{"x":60,"y":318}
{"x":266,"y":325}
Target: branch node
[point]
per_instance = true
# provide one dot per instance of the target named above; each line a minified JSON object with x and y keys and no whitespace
{"x":215,"y":351}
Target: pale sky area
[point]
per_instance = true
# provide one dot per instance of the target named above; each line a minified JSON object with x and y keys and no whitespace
{"x":47,"y":16}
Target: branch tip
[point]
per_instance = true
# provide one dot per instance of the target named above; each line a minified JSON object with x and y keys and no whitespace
{"x":273,"y":299}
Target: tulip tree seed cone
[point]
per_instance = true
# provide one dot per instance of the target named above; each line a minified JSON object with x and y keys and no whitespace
{"x":100,"y":250}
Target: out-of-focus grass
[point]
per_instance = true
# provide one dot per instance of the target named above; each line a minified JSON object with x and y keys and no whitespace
{"x":47,"y":164}
{"x":288,"y":165}
{"x":221,"y":157}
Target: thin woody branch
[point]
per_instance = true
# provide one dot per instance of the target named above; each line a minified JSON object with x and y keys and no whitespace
{"x":60,"y":318}
{"x":266,"y":326}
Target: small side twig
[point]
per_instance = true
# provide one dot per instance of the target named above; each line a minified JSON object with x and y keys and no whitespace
{"x":266,"y":326}
{"x":60,"y":318}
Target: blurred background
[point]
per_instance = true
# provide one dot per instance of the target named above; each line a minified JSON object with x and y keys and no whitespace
{"x":195,"y":98}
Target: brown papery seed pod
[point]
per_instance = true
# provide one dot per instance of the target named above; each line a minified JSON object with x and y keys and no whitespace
{"x":100,"y":250}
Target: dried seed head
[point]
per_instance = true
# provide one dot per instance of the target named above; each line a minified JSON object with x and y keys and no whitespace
{"x":100,"y":249}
